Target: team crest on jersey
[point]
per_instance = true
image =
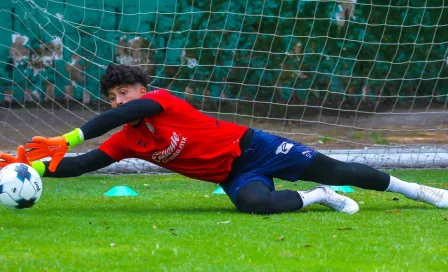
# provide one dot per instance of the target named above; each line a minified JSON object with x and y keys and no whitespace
{"x":150,"y":127}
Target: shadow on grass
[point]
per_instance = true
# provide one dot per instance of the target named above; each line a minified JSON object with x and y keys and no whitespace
{"x":399,"y":208}
{"x":120,"y":210}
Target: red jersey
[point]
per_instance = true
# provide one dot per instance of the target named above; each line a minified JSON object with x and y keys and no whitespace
{"x":180,"y":139}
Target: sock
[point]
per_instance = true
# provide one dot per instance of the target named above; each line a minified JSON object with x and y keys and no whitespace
{"x":408,"y":189}
{"x":312,"y":196}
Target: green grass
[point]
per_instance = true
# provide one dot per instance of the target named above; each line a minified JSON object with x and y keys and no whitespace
{"x":176,"y":224}
{"x":357,"y":135}
{"x":377,"y":138}
{"x":326,"y":139}
{"x":374,"y":137}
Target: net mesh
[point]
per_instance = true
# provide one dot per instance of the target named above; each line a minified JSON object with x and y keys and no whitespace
{"x":358,"y":80}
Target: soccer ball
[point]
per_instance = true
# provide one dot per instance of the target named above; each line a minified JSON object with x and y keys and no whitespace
{"x":20,"y":186}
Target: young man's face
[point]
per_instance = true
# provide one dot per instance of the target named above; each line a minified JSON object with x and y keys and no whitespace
{"x":124,"y":93}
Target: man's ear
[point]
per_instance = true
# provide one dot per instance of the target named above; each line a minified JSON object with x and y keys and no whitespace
{"x":142,"y":90}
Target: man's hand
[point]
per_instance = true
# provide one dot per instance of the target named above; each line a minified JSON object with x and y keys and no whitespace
{"x":6,"y":159}
{"x":41,"y":147}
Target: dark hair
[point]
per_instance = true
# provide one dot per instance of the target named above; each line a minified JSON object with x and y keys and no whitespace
{"x":120,"y":74}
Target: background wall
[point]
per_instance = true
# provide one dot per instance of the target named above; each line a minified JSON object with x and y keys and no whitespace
{"x":314,"y":52}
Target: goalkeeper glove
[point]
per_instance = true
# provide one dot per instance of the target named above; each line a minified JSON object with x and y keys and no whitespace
{"x":41,"y":147}
{"x":6,"y":159}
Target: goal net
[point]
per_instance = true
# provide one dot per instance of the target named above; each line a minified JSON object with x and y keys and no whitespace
{"x":363,"y":81}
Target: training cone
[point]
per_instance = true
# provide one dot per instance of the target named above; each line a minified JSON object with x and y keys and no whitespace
{"x":120,"y":191}
{"x":219,"y":191}
{"x":342,"y":189}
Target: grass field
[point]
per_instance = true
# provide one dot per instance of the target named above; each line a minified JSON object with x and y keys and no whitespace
{"x":177,"y":224}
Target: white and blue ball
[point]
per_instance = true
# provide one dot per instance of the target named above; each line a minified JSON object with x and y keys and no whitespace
{"x":20,"y":186}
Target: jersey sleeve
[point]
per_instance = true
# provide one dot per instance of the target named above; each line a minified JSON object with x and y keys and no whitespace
{"x":115,"y":147}
{"x":130,"y":111}
{"x":163,"y":97}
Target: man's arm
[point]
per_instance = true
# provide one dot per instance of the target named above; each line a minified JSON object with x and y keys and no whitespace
{"x":131,"y":111}
{"x":41,"y":147}
{"x":75,"y":166}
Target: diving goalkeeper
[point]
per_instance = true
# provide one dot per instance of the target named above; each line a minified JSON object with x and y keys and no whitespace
{"x":165,"y":130}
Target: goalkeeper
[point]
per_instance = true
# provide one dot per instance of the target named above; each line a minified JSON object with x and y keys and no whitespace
{"x":165,"y":130}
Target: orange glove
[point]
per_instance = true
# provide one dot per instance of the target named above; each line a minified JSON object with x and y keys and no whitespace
{"x":41,"y":147}
{"x":6,"y":159}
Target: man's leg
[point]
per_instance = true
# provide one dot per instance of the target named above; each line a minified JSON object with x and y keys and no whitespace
{"x":326,"y":170}
{"x":257,"y":197}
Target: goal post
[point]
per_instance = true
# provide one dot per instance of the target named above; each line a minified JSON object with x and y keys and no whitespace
{"x":358,"y":80}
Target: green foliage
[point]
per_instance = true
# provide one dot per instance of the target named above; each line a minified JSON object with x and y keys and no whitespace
{"x":176,"y":224}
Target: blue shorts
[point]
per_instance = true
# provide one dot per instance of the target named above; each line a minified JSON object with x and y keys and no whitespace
{"x":268,"y":157}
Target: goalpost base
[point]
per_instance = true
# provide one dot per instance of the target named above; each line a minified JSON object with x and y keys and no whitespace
{"x":385,"y":158}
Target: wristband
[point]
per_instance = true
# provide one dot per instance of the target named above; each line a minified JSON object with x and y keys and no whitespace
{"x":74,"y":138}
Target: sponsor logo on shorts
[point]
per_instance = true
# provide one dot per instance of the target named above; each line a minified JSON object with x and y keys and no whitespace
{"x":283,"y":148}
{"x":307,"y":153}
